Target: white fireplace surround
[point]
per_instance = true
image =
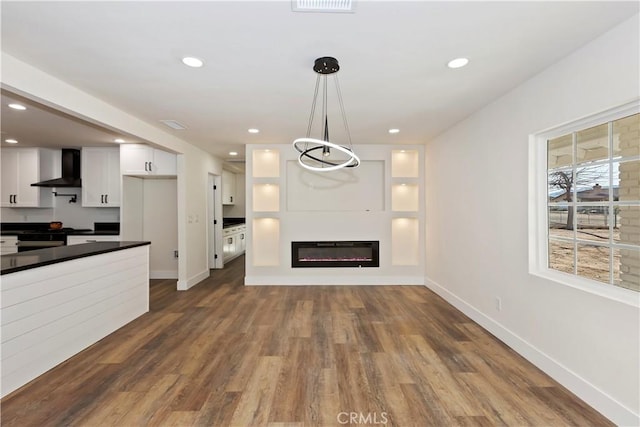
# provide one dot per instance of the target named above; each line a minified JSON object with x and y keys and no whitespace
{"x":382,"y":200}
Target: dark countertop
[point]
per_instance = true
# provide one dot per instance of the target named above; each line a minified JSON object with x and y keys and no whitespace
{"x":92,"y":233}
{"x":232,"y":221}
{"x":232,"y":225}
{"x":68,"y":233}
{"x":99,"y":229}
{"x":21,"y":261}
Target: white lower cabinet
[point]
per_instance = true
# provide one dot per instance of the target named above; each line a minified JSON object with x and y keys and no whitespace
{"x":8,"y":245}
{"x":234,"y":242}
{"x":77,"y":240}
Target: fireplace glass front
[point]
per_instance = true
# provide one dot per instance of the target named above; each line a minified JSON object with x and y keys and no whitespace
{"x":335,"y":254}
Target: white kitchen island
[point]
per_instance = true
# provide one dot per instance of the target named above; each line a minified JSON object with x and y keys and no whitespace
{"x":56,"y":302}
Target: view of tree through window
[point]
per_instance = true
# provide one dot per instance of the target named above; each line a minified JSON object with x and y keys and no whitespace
{"x":594,"y":202}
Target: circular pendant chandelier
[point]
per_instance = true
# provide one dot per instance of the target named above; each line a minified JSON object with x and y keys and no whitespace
{"x":319,"y":155}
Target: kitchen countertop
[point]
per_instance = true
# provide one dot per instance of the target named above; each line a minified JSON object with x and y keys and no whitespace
{"x":68,"y":233}
{"x":13,"y":263}
{"x":232,"y":225}
{"x":99,"y":229}
{"x":92,"y":233}
{"x":232,"y":221}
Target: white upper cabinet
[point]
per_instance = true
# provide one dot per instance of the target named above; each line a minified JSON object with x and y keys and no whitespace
{"x":22,"y":167}
{"x":228,"y":187}
{"x":101,"y":177}
{"x":143,"y":160}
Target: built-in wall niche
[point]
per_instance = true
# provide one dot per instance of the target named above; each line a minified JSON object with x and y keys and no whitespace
{"x":266,"y":163}
{"x":405,"y":241}
{"x":266,"y":242}
{"x":405,"y":164}
{"x":266,"y":197}
{"x":404,"y":197}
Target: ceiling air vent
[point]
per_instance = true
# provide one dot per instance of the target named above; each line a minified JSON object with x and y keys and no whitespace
{"x":340,"y":6}
{"x":173,"y":124}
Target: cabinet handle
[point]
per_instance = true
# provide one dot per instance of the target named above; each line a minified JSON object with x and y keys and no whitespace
{"x":231,"y":199}
{"x":102,"y":198}
{"x":242,"y":237}
{"x":150,"y":168}
{"x":146,"y":166}
{"x":106,"y":198}
{"x":230,"y":240}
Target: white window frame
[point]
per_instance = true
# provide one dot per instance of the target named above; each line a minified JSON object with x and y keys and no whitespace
{"x":538,"y":207}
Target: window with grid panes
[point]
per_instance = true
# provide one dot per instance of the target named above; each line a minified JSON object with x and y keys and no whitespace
{"x":593,"y":209}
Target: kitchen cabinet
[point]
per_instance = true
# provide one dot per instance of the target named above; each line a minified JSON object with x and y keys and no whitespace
{"x":8,"y":245}
{"x":234,"y":242}
{"x":101,"y":177}
{"x":228,"y":187}
{"x":143,"y":160}
{"x":78,"y":240}
{"x":22,"y":167}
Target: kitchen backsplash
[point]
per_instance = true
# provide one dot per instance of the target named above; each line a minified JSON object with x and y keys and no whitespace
{"x":71,"y":214}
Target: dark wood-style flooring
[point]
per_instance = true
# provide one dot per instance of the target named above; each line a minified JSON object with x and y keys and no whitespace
{"x":222,"y":354}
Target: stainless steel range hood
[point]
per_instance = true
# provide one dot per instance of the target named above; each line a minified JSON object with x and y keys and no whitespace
{"x":70,"y":171}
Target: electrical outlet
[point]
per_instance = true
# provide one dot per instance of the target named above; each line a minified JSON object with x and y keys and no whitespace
{"x":498,"y":302}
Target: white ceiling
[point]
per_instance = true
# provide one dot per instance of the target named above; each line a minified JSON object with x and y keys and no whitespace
{"x":259,"y":56}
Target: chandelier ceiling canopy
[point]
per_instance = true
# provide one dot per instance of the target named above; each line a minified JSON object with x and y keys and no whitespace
{"x":321,"y":154}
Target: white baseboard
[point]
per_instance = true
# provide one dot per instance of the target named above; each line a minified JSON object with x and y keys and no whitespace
{"x":332,"y":280}
{"x":596,"y":398}
{"x":183,"y":285}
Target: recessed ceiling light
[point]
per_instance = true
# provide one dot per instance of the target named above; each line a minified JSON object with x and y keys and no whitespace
{"x":458,"y":63}
{"x":233,"y":153}
{"x":17,"y":106}
{"x":118,"y":140}
{"x":11,"y":141}
{"x":253,"y":130}
{"x":394,"y":130}
{"x":192,"y":62}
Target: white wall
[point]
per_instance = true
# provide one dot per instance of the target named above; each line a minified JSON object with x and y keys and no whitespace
{"x":194,"y":164}
{"x":477,"y":237}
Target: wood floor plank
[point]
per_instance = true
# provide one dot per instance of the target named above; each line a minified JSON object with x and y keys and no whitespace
{"x":302,"y":319}
{"x":257,"y":399}
{"x":222,"y":354}
{"x":116,"y":406}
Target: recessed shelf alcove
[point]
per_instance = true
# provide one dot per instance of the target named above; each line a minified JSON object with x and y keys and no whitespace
{"x":266,"y":163}
{"x":266,"y":197}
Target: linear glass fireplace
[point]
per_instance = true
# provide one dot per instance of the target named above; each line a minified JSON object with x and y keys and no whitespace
{"x":335,"y":254}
